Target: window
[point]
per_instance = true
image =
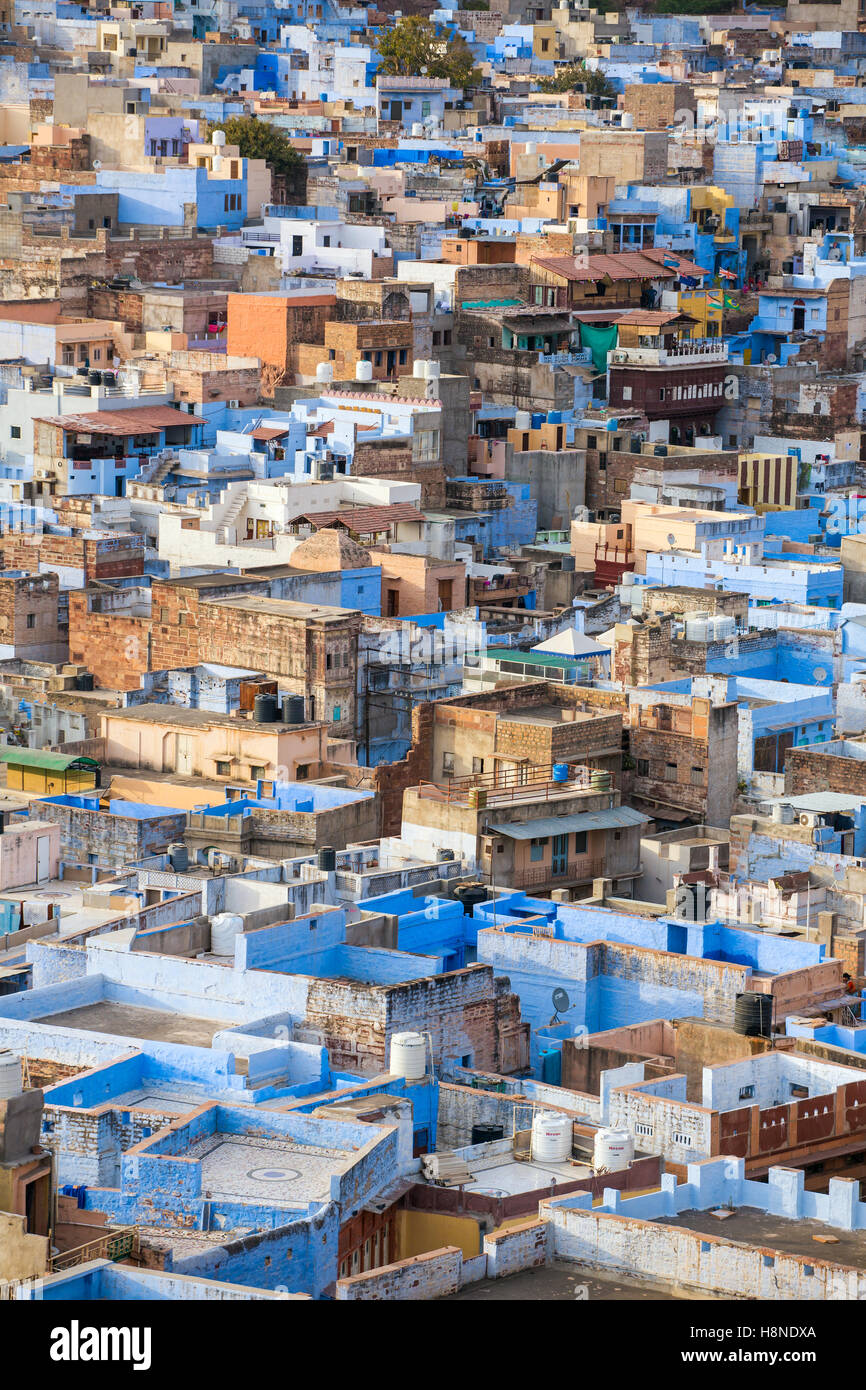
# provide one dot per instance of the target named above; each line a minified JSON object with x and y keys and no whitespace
{"x":477,"y":765}
{"x":697,"y":777}
{"x":801,"y":1092}
{"x":746,"y":1092}
{"x":257,"y":772}
{"x":670,"y":772}
{"x":15,"y":431}
{"x":580,"y":842}
{"x":31,"y":619}
{"x":684,"y":1139}
{"x":338,"y":714}
{"x":643,"y":767}
{"x":645,"y":1130}
{"x":448,"y":764}
{"x":302,"y":772}
{"x":626,"y":393}
{"x":536,"y":850}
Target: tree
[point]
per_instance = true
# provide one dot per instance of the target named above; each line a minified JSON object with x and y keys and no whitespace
{"x":577,"y":75}
{"x":413,"y":44}
{"x":256,"y":139}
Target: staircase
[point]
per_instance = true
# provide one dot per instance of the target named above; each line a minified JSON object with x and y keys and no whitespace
{"x":154,"y":472}
{"x":235,"y":508}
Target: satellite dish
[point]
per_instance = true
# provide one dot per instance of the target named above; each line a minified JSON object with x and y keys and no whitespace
{"x":561,"y":1001}
{"x":672,"y":540}
{"x":819,"y":673}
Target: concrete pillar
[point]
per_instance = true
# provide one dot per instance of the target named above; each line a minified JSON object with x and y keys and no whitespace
{"x":785,"y":1192}
{"x":844,"y":1200}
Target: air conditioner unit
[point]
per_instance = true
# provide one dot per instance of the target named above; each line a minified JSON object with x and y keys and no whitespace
{"x":234,"y":405}
{"x":810,"y":818}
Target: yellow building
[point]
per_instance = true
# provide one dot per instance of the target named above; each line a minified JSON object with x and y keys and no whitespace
{"x":49,"y":774}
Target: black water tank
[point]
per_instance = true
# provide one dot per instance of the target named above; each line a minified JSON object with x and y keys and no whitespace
{"x":469,"y":894}
{"x":265,"y":709}
{"x":293,"y":710}
{"x":94,"y":377}
{"x":487,"y":1134}
{"x":327,"y":859}
{"x":753,"y":1015}
{"x":84,"y":681}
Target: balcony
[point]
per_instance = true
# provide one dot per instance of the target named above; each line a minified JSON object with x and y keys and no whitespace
{"x":582,"y":870}
{"x":697,"y":352}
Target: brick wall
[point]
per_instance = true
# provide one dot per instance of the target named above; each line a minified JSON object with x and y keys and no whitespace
{"x":807,"y":769}
{"x":422,"y":1278}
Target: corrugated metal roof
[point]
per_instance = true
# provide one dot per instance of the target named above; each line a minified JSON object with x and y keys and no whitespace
{"x":34,"y":757}
{"x":137,"y":420}
{"x":617,"y":818}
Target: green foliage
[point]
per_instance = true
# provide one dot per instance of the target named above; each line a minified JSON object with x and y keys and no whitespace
{"x":475,"y":5}
{"x":257,"y":140}
{"x":577,"y":75}
{"x":413,"y":44}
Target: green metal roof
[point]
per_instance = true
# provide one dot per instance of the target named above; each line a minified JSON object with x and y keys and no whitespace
{"x":520,"y":658}
{"x":615,"y":819}
{"x":51,"y":762}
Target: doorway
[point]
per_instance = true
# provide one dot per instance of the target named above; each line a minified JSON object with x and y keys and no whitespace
{"x":559,"y":859}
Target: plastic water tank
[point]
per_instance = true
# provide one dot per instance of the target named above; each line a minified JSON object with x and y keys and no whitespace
{"x":720,"y":626}
{"x":753,"y":1014}
{"x":324,"y":372}
{"x":432,"y":371}
{"x":560,"y":772}
{"x":327,"y":859}
{"x":600,"y":781}
{"x":364,"y":371}
{"x":627,"y":122}
{"x":218,"y":137}
{"x":265,"y":709}
{"x":417,"y":130}
{"x":293,"y":710}
{"x":419,"y":367}
{"x":522,"y":420}
{"x":178,"y":857}
{"x":223,"y":930}
{"x":613,"y":1150}
{"x":408,"y":1056}
{"x":10,"y":1075}
{"x":551,"y":1137}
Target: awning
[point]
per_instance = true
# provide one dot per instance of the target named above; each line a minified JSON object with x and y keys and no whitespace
{"x":617,"y":818}
{"x":50,"y":762}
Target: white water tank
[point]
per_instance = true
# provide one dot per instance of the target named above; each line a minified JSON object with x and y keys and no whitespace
{"x":551,"y":1137}
{"x":408,"y":1056}
{"x":364,"y":371}
{"x":721,"y":625}
{"x":432,"y":371}
{"x":218,"y":137}
{"x":419,"y":368}
{"x":417,"y":130}
{"x":522,"y":420}
{"x":627,"y":122}
{"x":10,"y":1075}
{"x":223,"y":930}
{"x":324,"y":372}
{"x":612,"y":1151}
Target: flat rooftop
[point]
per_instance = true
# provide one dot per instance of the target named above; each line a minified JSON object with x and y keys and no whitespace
{"x":272,"y":1171}
{"x":749,"y":1226}
{"x":132,"y":1021}
{"x":200,"y":718}
{"x":560,"y":1282}
{"x":288,"y":608}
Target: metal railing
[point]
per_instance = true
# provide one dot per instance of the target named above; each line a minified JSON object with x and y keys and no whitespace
{"x":582,"y":870}
{"x":514,"y":784}
{"x":114,"y":1245}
